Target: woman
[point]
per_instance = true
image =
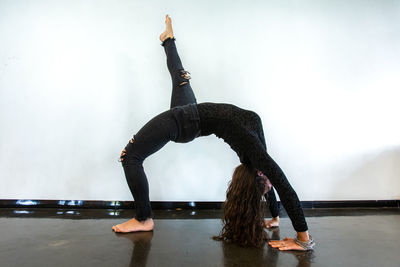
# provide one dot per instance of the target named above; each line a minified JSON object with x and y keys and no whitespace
{"x":242,"y":130}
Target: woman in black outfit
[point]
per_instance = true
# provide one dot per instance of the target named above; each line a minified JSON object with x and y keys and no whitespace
{"x":187,"y":120}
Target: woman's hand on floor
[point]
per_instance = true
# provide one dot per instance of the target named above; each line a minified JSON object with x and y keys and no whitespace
{"x":285,"y":244}
{"x":274,"y":222}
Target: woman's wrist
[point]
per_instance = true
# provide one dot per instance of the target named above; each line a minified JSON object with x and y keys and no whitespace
{"x":305,"y":240}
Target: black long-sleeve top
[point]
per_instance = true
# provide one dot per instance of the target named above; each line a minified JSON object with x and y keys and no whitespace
{"x":242,"y":130}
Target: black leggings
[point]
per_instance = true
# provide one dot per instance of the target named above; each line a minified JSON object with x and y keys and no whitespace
{"x":179,"y":124}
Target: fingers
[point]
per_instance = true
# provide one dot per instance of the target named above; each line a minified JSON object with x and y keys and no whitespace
{"x":275,"y":243}
{"x":288,"y":239}
{"x":291,"y":247}
{"x":286,"y":244}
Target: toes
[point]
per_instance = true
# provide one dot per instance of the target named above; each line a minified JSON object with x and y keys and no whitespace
{"x":116,"y":229}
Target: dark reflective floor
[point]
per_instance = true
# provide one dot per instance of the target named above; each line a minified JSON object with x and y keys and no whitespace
{"x":50,"y":237}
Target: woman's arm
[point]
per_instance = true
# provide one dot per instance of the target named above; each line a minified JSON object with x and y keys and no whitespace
{"x":262,"y":161}
{"x":289,"y":199}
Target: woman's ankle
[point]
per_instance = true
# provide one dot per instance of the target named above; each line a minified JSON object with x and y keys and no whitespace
{"x":166,"y":40}
{"x":144,"y":220}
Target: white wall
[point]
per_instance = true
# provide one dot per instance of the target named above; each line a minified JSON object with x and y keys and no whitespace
{"x":79,"y":78}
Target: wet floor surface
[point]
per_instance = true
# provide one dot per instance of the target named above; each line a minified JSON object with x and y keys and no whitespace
{"x":41,"y":237}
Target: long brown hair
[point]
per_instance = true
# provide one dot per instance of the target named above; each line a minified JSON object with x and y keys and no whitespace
{"x":243,"y":210}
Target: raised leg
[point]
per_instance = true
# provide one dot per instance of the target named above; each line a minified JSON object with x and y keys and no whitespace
{"x":182,"y":92}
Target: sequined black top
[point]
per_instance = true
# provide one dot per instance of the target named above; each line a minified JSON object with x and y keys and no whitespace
{"x":242,"y":130}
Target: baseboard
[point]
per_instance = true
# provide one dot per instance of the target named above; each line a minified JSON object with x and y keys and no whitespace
{"x":184,"y":205}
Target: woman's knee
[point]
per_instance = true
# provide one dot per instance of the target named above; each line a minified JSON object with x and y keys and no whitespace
{"x":182,"y":77}
{"x":130,"y":154}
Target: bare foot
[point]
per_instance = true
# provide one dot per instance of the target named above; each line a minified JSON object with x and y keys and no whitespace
{"x":134,"y":225}
{"x":168,"y":29}
{"x":272,"y":223}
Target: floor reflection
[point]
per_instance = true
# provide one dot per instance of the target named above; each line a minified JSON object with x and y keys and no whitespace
{"x":267,"y":256}
{"x":233,"y":255}
{"x":69,"y":240}
{"x":141,"y":246}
